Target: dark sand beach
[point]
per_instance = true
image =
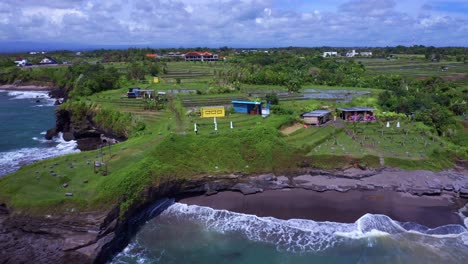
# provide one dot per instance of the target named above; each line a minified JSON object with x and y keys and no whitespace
{"x":431,"y":211}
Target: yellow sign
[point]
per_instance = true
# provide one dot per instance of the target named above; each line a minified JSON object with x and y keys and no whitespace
{"x":155,"y":80}
{"x":212,"y":112}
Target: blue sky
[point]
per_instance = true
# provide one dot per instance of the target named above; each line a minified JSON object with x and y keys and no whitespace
{"x":239,"y":23}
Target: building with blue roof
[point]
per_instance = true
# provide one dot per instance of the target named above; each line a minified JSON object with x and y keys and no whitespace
{"x":247,"y":107}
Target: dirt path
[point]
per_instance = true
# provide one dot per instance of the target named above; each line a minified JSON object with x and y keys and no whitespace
{"x":291,"y":129}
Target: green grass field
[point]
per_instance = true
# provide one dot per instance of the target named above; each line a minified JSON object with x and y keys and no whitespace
{"x":168,"y":148}
{"x":417,"y":68}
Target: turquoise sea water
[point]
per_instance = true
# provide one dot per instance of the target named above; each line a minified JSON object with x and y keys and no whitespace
{"x":24,"y":118}
{"x":195,"y":234}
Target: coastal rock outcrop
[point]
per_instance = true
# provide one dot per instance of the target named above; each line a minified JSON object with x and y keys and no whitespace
{"x":87,"y":134}
{"x":93,"y":237}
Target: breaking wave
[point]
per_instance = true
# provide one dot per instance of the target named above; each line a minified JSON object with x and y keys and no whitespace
{"x":42,"y":98}
{"x":196,"y":234}
{"x":11,"y":161}
{"x":300,"y":235}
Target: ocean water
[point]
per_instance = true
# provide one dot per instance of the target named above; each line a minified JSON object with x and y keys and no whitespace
{"x":24,"y":119}
{"x":196,"y":234}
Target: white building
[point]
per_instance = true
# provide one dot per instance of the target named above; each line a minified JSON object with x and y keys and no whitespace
{"x":330,"y":54}
{"x":351,"y":53}
{"x":21,"y":63}
{"x":48,"y":60}
{"x":366,"y":53}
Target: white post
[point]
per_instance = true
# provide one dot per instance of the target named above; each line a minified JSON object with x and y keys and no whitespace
{"x":216,"y":126}
{"x":388,"y":124}
{"x":231,"y":125}
{"x":214,"y":120}
{"x":398,"y":124}
{"x":195,"y":128}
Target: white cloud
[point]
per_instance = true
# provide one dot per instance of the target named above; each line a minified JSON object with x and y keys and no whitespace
{"x":229,"y":22}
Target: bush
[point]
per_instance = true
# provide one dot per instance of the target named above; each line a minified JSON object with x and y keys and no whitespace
{"x":272,"y":99}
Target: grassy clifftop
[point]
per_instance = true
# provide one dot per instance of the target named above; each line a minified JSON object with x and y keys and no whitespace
{"x":162,"y":146}
{"x":140,"y":162}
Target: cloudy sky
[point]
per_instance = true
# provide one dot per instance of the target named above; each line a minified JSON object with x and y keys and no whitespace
{"x":236,"y":23}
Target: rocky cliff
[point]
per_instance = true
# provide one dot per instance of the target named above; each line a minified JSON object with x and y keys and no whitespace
{"x":84,"y":130}
{"x":94,"y":237}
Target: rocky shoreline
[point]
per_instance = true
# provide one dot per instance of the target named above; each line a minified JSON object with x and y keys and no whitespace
{"x":86,"y":133}
{"x":93,"y":237}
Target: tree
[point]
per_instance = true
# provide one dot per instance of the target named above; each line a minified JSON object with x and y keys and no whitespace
{"x":293,"y":85}
{"x":136,"y":72}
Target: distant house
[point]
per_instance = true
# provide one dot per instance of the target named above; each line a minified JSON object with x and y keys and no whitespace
{"x":351,"y":53}
{"x":365,"y":53}
{"x":247,"y":107}
{"x":201,"y":56}
{"x":21,"y":62}
{"x":48,"y":60}
{"x":140,"y":93}
{"x":133,"y":92}
{"x":154,"y":55}
{"x":317,"y":117}
{"x":330,"y":54}
{"x":357,"y":114}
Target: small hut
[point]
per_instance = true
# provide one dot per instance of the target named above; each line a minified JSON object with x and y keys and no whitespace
{"x":316,"y":117}
{"x":357,"y":114}
{"x":247,"y":107}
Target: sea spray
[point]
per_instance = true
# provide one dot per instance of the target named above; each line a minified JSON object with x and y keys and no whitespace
{"x":10,"y":161}
{"x":41,"y":99}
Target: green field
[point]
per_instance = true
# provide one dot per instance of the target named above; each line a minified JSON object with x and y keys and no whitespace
{"x":417,"y":68}
{"x":167,"y":148}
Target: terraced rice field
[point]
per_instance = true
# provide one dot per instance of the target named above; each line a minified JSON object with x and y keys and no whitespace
{"x":134,"y":106}
{"x":188,"y":72}
{"x":198,"y":101}
{"x":455,"y":71}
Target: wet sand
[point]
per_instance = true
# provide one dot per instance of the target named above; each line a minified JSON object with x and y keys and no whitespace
{"x":431,"y":211}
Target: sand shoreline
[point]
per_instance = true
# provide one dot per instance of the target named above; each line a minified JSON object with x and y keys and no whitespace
{"x":11,"y":87}
{"x":343,"y":207}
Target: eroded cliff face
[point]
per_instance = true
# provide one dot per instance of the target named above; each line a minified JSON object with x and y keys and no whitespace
{"x":72,"y":238}
{"x":85,"y":237}
{"x":94,"y":237}
{"x":84,"y":130}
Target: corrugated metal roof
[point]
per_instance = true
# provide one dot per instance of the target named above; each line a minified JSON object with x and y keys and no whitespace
{"x":316,"y":113}
{"x":356,"y":109}
{"x":246,"y":102}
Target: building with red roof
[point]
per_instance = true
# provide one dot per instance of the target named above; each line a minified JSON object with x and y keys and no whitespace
{"x":152,"y":55}
{"x":200,"y":56}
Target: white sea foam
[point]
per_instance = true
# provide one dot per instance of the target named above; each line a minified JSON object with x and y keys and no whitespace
{"x":28,"y":94}
{"x":13,"y":160}
{"x":300,"y":235}
{"x":134,"y":251}
{"x":43,"y":97}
